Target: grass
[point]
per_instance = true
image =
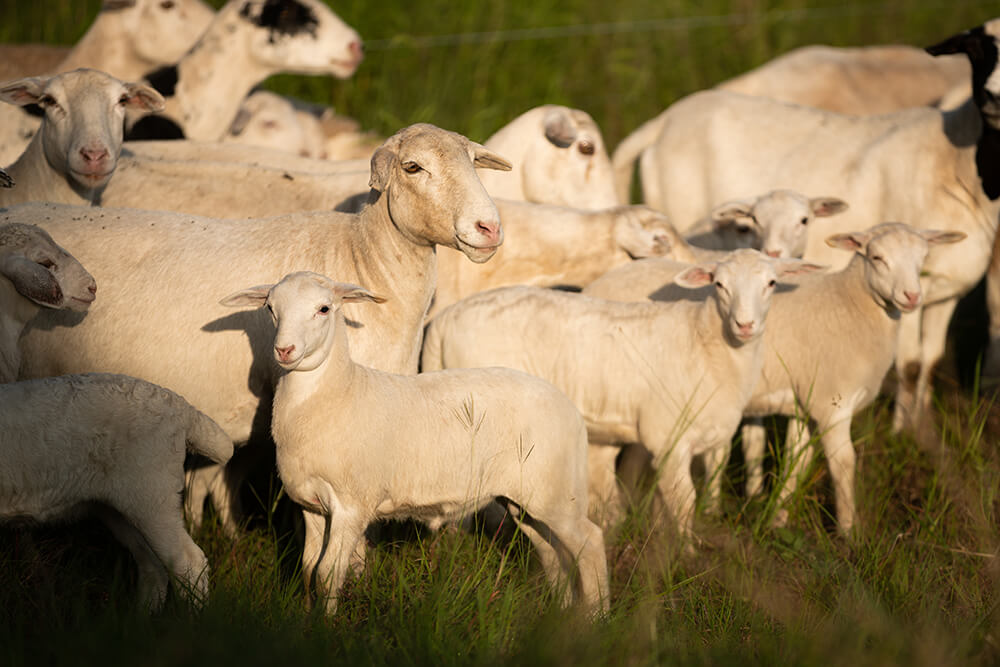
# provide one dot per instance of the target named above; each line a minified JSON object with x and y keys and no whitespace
{"x":918,"y":584}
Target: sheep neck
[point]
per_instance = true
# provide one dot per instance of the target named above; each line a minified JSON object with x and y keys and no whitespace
{"x":107,"y":46}
{"x":36,"y":179}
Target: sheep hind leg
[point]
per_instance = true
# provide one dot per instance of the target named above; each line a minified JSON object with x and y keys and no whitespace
{"x":164,"y":531}
{"x":796,"y":460}
{"x":152,"y":576}
{"x":221,"y":484}
{"x":548,"y":555}
{"x":934,"y":334}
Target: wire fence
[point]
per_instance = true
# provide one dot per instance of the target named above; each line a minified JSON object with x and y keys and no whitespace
{"x":649,"y":25}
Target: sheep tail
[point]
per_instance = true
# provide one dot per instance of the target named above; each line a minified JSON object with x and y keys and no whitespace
{"x":207,"y":438}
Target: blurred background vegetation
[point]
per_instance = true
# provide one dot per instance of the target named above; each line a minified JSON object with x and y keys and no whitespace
{"x":472,"y":66}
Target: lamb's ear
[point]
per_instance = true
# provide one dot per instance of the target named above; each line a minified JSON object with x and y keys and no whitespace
{"x":22,"y":92}
{"x":852,"y":241}
{"x":484,"y":158}
{"x":559,"y":128}
{"x":32,"y":281}
{"x":937,"y":236}
{"x":826,"y":206}
{"x":381,"y":167}
{"x":959,"y":43}
{"x":347,"y":293}
{"x":737,"y":211}
{"x":696,"y":276}
{"x":253,"y":297}
{"x":143,"y":97}
{"x":795,"y":267}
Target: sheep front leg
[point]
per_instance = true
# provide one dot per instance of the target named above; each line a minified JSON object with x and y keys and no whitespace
{"x":991,"y":365}
{"x":840,"y":456}
{"x":604,"y":504}
{"x":753,"y":438}
{"x":715,"y":460}
{"x":934,"y":334}
{"x":677,"y":487}
{"x":908,"y":354}
{"x":328,"y":559}
{"x":796,"y":459}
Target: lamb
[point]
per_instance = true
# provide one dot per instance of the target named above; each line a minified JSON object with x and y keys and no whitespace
{"x":827,"y":347}
{"x":75,"y":152}
{"x":560,"y":158}
{"x":36,"y":273}
{"x":554,"y":246}
{"x":923,"y":166}
{"x":246,"y":42}
{"x":390,"y":246}
{"x":672,"y":377}
{"x":456,"y":440}
{"x":112,"y":446}
{"x":127,"y":39}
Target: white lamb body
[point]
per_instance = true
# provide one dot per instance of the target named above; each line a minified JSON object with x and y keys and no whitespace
{"x":433,"y":445}
{"x":113,"y":446}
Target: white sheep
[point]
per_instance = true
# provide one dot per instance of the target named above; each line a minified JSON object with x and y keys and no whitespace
{"x":220,"y":361}
{"x":447,"y":443}
{"x":35,"y":273}
{"x":554,"y":246}
{"x":829,"y":342}
{"x":924,"y":166}
{"x":247,"y":41}
{"x":672,"y":377}
{"x":111,"y":446}
{"x":72,"y":156}
{"x":559,"y":158}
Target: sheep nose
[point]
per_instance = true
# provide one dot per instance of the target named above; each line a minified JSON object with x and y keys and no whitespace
{"x":745,"y":329}
{"x":284,"y":353}
{"x":93,"y":288}
{"x":912,"y":298}
{"x":356,"y":49}
{"x":93,"y":155}
{"x":491,"y":230}
{"x":773,"y":253}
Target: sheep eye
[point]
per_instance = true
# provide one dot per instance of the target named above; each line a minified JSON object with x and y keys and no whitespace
{"x":47,"y":100}
{"x":47,"y":263}
{"x":324,"y":309}
{"x":743,"y":230}
{"x":772,"y":283}
{"x":719,"y":284}
{"x":877,"y":258}
{"x":167,"y":4}
{"x":124,"y":98}
{"x":411,"y":167}
{"x":805,"y":221}
{"x":586,"y":148}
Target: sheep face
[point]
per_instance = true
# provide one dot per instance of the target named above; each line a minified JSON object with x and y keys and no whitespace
{"x":42,"y":271}
{"x":302,"y":36}
{"x":894,"y":255}
{"x":82,"y":129}
{"x":571,"y":167}
{"x":433,"y":193}
{"x":163,"y":30}
{"x":744,"y":284}
{"x":982,"y":46}
{"x":642,"y":232}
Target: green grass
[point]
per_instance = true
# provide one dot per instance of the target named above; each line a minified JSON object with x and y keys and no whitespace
{"x":918,"y":585}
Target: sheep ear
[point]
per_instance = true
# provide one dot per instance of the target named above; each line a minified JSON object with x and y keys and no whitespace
{"x":936,"y":236}
{"x":5,"y":180}
{"x":852,"y":241}
{"x":240,"y":123}
{"x":731,"y":212}
{"x":696,"y":276}
{"x":347,"y":293}
{"x":484,"y":158}
{"x":796,"y":267}
{"x":959,"y":43}
{"x":23,"y":92}
{"x":381,"y":168}
{"x":32,"y":281}
{"x":826,"y":206}
{"x":253,"y":297}
{"x":559,"y":129}
{"x":143,"y":97}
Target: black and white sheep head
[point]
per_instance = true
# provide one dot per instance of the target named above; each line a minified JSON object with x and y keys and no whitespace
{"x":428,"y":179}
{"x":776,"y":223}
{"x":570,"y":167}
{"x":84,"y":118}
{"x":642,"y":232}
{"x":301,"y":36}
{"x":305,"y":308}
{"x":744,"y":284}
{"x":41,"y":271}
{"x":894,"y":254}
{"x":161,"y":31}
{"x":982,"y":46}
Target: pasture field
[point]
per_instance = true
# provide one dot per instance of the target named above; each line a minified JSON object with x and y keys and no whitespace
{"x":919,"y":583}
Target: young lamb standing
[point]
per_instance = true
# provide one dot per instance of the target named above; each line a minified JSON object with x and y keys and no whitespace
{"x":673,"y":377}
{"x":355,"y":444}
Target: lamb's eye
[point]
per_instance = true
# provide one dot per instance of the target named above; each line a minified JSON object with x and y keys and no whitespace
{"x":324,"y":309}
{"x":411,"y":167}
{"x":719,"y":284}
{"x":47,"y":101}
{"x":877,"y":258}
{"x":586,"y":148}
{"x":805,"y":221}
{"x":167,"y":4}
{"x":772,"y":283}
{"x":123,"y":99}
{"x":47,"y":263}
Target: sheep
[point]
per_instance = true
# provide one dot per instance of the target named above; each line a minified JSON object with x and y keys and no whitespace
{"x":246,"y":42}
{"x":672,"y":377}
{"x":390,"y":246}
{"x":776,"y":223}
{"x":456,"y":440}
{"x":5,"y":180}
{"x":923,"y":166}
{"x":127,"y":39}
{"x":36,"y":273}
{"x":76,"y":150}
{"x":828,"y":345}
{"x":560,"y":158}
{"x":554,"y":246}
{"x":112,"y":446}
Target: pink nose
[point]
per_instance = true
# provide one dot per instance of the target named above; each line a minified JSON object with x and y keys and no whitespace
{"x":745,"y":329}
{"x":773,"y":253}
{"x":912,"y":298}
{"x":94,"y":155}
{"x":356,"y":50}
{"x":491,"y":230}
{"x":284,"y":353}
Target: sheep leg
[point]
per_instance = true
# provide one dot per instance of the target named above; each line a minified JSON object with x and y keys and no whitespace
{"x":604,"y":503}
{"x":934,"y":335}
{"x":555,"y":569}
{"x":796,"y":460}
{"x":328,"y":567}
{"x":840,"y":456}
{"x":677,"y":487}
{"x":715,"y":460}
{"x":220,"y":483}
{"x":991,"y":366}
{"x":753,"y":438}
{"x":908,"y":354}
{"x":153,"y":578}
{"x":585,"y":543}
